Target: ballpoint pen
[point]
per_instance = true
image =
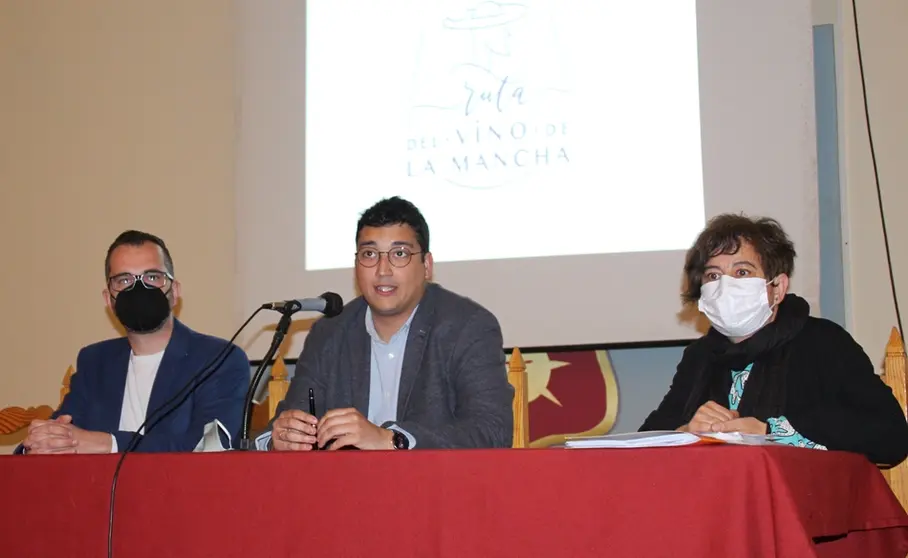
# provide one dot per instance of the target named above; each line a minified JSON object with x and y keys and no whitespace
{"x":312,"y":411}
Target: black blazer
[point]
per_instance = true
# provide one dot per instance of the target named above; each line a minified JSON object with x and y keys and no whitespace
{"x":833,"y":395}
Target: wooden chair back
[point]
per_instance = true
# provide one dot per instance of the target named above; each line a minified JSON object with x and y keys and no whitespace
{"x":517,"y":377}
{"x":14,"y":420}
{"x":894,"y":376}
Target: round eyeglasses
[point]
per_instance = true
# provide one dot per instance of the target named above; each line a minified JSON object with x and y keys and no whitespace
{"x":151,"y":279}
{"x":397,"y":257}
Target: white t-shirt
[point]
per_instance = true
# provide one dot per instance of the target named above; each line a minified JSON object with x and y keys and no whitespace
{"x":139,"y":381}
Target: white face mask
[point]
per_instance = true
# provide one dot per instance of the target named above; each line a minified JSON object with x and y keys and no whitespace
{"x":736,"y":306}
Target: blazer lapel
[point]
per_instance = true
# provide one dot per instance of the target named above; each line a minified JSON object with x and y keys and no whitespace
{"x":359,"y":353}
{"x":417,"y":338}
{"x":170,"y":372}
{"x":114,"y":370}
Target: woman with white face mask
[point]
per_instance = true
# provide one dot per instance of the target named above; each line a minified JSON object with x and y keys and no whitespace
{"x":766,"y":366}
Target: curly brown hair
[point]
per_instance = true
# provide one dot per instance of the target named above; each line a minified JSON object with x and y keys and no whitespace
{"x":724,"y":235}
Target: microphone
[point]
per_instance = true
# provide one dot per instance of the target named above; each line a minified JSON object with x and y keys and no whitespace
{"x":330,"y":304}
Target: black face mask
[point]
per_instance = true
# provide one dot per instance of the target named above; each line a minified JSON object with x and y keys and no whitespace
{"x":142,"y":310}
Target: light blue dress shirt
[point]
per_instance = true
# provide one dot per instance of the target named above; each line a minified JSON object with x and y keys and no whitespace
{"x":384,"y":377}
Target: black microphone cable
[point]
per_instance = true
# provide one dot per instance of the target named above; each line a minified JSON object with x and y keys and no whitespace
{"x":876,"y":173}
{"x":180,"y":397}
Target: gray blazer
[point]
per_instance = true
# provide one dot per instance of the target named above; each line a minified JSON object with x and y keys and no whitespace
{"x":454,"y":390}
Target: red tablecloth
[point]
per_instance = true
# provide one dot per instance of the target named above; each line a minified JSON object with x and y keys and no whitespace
{"x":693,"y":501}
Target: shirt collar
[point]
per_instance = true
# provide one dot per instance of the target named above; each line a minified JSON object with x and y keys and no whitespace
{"x":370,"y":326}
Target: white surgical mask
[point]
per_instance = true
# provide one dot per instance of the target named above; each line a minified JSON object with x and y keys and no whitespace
{"x":736,"y":306}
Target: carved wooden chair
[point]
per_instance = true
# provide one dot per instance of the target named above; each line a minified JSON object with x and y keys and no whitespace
{"x":894,"y":376}
{"x":517,"y":377}
{"x":14,"y":421}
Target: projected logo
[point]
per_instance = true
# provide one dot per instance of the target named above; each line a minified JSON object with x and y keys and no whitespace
{"x":490,"y":102}
{"x":571,"y":394}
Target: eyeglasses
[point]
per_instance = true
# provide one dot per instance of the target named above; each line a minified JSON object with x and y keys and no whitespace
{"x":397,"y":257}
{"x":151,"y":279}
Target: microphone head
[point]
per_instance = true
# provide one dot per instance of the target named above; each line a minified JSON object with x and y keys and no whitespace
{"x":333,"y":304}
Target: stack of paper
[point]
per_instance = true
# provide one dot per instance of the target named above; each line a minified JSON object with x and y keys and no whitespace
{"x":664,"y":439}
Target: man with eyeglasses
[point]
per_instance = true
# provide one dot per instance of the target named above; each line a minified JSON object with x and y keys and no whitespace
{"x":406,"y":365}
{"x":119,"y":381}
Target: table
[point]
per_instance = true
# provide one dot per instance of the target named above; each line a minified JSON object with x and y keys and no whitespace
{"x":690,"y":501}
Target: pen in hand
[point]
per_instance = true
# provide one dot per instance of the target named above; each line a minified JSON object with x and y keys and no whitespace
{"x":312,"y":411}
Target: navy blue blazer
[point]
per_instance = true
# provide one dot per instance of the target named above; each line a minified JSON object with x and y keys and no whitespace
{"x":95,"y":399}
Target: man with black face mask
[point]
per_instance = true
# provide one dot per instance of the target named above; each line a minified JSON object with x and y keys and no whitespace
{"x":118,"y":381}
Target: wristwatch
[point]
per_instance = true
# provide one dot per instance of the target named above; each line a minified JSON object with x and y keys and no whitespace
{"x":399,"y":441}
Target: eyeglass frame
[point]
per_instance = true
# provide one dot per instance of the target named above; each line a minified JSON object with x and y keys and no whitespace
{"x":387,"y":254}
{"x":137,"y":278}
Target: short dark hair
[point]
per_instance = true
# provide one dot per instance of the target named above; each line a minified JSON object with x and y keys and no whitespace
{"x":137,"y":238}
{"x":724,"y":235}
{"x":396,"y":211}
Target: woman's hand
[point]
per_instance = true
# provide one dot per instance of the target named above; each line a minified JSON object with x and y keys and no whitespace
{"x":708,"y":415}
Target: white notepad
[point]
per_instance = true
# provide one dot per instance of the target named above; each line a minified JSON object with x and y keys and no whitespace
{"x":665,"y":439}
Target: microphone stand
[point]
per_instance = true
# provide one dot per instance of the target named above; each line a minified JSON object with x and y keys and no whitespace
{"x":282,"y":326}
